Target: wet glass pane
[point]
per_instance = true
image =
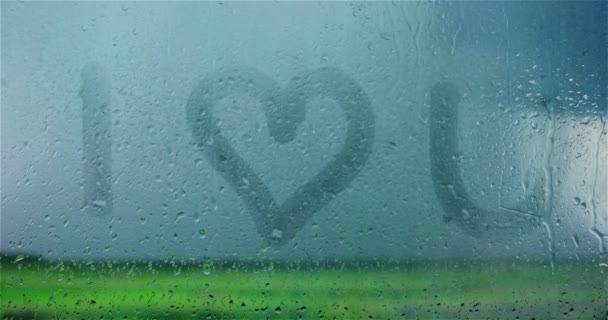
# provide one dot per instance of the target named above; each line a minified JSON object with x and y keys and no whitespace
{"x":335,"y":160}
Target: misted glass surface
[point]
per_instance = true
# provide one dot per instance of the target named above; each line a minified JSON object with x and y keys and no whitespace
{"x":335,"y":160}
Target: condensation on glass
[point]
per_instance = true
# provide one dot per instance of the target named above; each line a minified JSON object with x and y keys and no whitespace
{"x":304,"y":160}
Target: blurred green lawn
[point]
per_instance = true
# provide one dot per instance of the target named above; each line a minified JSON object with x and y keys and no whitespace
{"x":445,"y":290}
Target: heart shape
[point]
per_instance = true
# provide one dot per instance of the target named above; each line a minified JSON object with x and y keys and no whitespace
{"x":285,"y":109}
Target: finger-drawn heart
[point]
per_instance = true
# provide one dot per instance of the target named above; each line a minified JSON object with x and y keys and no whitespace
{"x":284,"y":109}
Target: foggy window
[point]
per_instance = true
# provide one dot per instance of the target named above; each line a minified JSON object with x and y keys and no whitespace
{"x":335,"y":160}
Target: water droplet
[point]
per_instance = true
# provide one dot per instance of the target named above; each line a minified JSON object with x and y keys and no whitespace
{"x":277,"y":234}
{"x":19,"y":258}
{"x":386,"y":36}
{"x":202,"y":233}
{"x":576,"y":240}
{"x":206,"y":269}
{"x":179,"y":216}
{"x":465,"y":214}
{"x":99,"y":203}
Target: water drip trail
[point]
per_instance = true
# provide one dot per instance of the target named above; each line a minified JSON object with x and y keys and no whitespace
{"x":96,"y":139}
{"x":596,"y":229}
{"x":549,"y":216}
